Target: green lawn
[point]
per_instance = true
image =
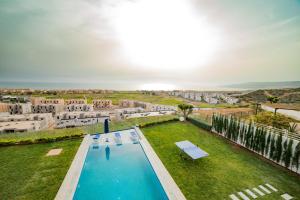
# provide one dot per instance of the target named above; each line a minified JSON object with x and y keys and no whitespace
{"x":117,"y":96}
{"x":57,"y":133}
{"x":228,"y":169}
{"x":26,"y":173}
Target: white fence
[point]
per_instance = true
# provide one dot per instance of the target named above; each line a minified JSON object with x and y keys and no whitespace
{"x":261,"y":140}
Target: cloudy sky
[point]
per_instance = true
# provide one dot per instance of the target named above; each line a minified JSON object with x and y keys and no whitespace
{"x":138,"y":44}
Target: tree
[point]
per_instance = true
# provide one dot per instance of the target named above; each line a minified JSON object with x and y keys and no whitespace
{"x":278,"y":151}
{"x":272,"y":99}
{"x":296,"y":157}
{"x":287,"y":154}
{"x":293,"y":128}
{"x":186,"y":109}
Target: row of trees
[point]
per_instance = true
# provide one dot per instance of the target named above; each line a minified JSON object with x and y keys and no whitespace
{"x":283,"y":150}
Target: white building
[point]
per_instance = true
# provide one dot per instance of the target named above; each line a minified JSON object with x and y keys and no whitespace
{"x":100,"y":104}
{"x":79,"y":108}
{"x":26,"y":122}
{"x":75,"y":101}
{"x":19,"y":108}
{"x":73,"y":119}
{"x":47,"y":108}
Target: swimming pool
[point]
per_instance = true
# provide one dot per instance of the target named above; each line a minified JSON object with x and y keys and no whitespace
{"x":118,"y":172}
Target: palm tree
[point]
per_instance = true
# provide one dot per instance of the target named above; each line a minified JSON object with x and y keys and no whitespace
{"x":186,"y":109}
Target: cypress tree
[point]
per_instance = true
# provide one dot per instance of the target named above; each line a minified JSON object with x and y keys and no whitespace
{"x":262,"y":141}
{"x":242,"y":133}
{"x":238,"y":130}
{"x":272,"y":147}
{"x":278,"y":148}
{"x":296,"y":157}
{"x":287,"y":155}
{"x":268,"y":144}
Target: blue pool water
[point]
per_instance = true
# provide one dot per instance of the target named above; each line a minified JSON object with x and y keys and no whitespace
{"x":118,"y":172}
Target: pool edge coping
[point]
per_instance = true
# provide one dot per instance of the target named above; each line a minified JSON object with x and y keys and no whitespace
{"x":69,"y":184}
{"x":171,"y":188}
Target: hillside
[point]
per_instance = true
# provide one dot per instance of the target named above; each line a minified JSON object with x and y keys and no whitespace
{"x":265,"y":85}
{"x":285,"y":95}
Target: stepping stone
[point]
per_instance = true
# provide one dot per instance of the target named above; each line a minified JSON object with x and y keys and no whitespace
{"x":286,"y":196}
{"x":258,"y":192}
{"x":251,"y":194}
{"x":244,"y":197}
{"x":271,"y":187}
{"x":54,"y":152}
{"x":233,"y":197}
{"x":265,"y":189}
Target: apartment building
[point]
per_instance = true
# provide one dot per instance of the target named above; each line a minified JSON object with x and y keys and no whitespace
{"x":19,"y":108}
{"x":79,"y":107}
{"x":159,"y":107}
{"x":47,"y":108}
{"x":14,"y":99}
{"x":4,"y":107}
{"x":26,"y":122}
{"x":36,"y":100}
{"x":73,"y":119}
{"x":144,"y":105}
{"x":126,"y":103}
{"x":100,"y":104}
{"x":75,"y":101}
{"x":52,"y":101}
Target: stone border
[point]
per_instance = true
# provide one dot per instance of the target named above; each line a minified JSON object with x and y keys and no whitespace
{"x":69,"y":185}
{"x":172,"y":190}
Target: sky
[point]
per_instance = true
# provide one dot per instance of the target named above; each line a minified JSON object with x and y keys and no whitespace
{"x":149,"y":44}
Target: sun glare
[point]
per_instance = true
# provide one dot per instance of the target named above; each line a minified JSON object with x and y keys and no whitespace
{"x":164,"y":34}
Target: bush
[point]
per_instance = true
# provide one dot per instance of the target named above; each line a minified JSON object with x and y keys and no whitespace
{"x":200,"y":124}
{"x":270,"y":119}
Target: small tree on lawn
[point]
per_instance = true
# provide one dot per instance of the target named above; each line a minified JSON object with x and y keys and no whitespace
{"x":186,"y":109}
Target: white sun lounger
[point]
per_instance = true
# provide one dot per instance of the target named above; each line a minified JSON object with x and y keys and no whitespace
{"x":191,"y":150}
{"x":117,"y":138}
{"x":134,"y":137}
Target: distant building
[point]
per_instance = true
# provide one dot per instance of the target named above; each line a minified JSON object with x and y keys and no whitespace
{"x":73,"y":119}
{"x":52,"y":101}
{"x":19,"y":108}
{"x":14,"y":99}
{"x":78,"y":108}
{"x":47,"y":108}
{"x":75,"y":101}
{"x":144,"y":105}
{"x":126,"y":103}
{"x":100,"y":104}
{"x":26,"y":122}
{"x":4,"y":107}
{"x":36,"y":100}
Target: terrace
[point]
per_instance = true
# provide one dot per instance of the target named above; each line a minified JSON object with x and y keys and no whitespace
{"x":227,"y":170}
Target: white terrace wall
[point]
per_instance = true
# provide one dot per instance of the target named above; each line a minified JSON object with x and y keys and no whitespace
{"x":269,"y":132}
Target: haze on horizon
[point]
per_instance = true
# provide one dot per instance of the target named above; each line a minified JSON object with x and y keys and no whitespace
{"x":149,"y":44}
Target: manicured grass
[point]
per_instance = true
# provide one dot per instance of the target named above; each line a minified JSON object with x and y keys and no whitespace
{"x":69,"y":132}
{"x":228,"y":168}
{"x":26,"y":173}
